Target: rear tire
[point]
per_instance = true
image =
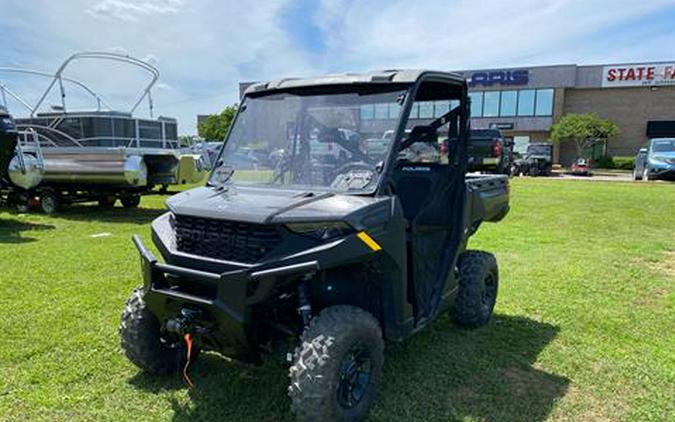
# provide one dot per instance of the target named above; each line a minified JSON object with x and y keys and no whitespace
{"x":478,"y":286}
{"x":144,"y":344}
{"x":131,"y":201}
{"x":338,"y":366}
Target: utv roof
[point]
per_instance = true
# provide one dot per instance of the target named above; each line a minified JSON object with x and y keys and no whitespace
{"x":374,"y":77}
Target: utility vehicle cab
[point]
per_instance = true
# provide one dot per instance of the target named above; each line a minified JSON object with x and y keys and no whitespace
{"x":338,"y":247}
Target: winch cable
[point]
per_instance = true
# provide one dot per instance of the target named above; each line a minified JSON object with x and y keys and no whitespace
{"x":186,"y":375}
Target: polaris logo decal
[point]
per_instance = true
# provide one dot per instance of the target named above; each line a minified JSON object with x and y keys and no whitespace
{"x":500,"y":77}
{"x":416,"y":169}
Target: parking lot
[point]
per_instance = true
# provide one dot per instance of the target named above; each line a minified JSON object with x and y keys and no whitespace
{"x":582,"y":331}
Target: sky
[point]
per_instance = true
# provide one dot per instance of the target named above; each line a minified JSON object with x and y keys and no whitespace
{"x":204,"y":48}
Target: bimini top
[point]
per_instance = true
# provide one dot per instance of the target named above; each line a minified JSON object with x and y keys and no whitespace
{"x":375,"y":77}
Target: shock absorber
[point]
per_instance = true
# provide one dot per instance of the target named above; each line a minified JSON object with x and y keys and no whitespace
{"x":304,"y":305}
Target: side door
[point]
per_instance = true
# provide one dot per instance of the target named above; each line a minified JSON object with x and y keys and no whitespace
{"x":429,"y":180}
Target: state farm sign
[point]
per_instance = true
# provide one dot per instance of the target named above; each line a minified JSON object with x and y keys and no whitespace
{"x":638,"y":75}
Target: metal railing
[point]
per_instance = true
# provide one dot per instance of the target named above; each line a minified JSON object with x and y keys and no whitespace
{"x":59,"y":78}
{"x":24,"y":144}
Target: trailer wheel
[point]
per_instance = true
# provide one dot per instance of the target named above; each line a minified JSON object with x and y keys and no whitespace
{"x":338,"y":366}
{"x":478,"y":285}
{"x":50,"y":201}
{"x":107,"y":201}
{"x":131,"y":201}
{"x":143,"y":342}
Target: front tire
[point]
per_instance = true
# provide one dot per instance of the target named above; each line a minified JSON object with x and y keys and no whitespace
{"x":478,"y":285}
{"x":338,"y":366}
{"x":50,"y":201}
{"x":143,"y":342}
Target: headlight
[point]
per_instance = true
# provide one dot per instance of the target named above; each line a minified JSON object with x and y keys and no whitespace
{"x":321,"y":230}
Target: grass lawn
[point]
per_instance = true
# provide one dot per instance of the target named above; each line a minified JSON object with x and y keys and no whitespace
{"x":584,"y":326}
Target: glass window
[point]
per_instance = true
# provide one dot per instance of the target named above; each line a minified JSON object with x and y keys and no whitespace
{"x":491,"y":104}
{"x":440,"y":108}
{"x":367,"y":112}
{"x":381,"y":111}
{"x":476,"y":104}
{"x":544,"y":103}
{"x":394,"y":110}
{"x":415,"y":111}
{"x":526,"y":102}
{"x":509,"y":100}
{"x":454,"y":104}
{"x":426,"y":110}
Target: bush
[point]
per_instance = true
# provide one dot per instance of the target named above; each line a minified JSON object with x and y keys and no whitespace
{"x":624,"y":163}
{"x":619,"y":163}
{"x":605,"y":163}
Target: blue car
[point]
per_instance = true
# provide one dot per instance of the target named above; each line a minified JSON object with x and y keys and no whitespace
{"x":656,"y":161}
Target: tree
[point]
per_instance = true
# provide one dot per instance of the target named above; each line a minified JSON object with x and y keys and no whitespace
{"x":216,"y":126}
{"x":584,"y":130}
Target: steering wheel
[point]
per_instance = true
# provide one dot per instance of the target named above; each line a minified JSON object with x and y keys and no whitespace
{"x":358,"y":165}
{"x":358,"y":172}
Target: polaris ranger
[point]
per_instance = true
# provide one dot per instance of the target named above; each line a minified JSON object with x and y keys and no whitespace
{"x":339,"y":256}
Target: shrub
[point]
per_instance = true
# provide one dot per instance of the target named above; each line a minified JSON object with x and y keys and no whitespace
{"x":605,"y":163}
{"x":624,"y":163}
{"x":620,"y":163}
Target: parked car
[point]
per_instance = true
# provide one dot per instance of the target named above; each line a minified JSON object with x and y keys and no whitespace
{"x":537,"y":160}
{"x":324,"y":264}
{"x":656,"y":160}
{"x":489,"y":152}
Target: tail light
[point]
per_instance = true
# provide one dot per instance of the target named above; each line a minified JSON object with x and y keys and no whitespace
{"x":497,"y":148}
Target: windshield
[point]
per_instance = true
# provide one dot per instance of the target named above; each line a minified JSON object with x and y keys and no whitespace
{"x":326,"y":141}
{"x":663,"y":145}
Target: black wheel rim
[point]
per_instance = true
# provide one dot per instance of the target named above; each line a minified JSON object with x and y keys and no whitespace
{"x":354,"y":377}
{"x":489,"y":292}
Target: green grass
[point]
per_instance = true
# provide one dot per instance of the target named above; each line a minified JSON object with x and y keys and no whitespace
{"x":584,"y":326}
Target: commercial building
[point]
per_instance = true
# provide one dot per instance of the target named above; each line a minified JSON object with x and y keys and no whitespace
{"x":525,"y":102}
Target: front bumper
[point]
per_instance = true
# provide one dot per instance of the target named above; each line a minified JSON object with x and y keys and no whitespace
{"x":224,"y":297}
{"x":662,"y":171}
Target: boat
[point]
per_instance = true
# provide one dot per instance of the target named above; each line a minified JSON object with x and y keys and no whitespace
{"x":100,"y":153}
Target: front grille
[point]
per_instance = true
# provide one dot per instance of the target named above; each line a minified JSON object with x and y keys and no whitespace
{"x":224,"y":239}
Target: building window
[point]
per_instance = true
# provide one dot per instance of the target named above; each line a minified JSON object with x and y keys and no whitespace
{"x":544,"y":103}
{"x":367,"y":112}
{"x":426,"y":110}
{"x":394,"y":110}
{"x":476,"y":104}
{"x":509,"y":100}
{"x":491,"y":104}
{"x":381,"y":111}
{"x":526,"y":102}
{"x":441,"y":107}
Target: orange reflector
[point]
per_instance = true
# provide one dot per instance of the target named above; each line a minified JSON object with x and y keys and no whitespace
{"x":372,"y":244}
